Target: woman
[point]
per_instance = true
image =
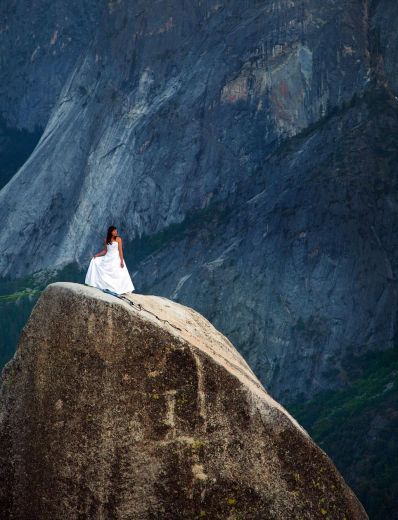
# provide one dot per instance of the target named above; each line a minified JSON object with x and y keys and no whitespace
{"x":107,"y":269}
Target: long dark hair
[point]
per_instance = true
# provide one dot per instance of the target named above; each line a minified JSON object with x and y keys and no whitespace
{"x":109,"y":234}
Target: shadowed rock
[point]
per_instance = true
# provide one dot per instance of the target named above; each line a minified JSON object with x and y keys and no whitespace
{"x":117,"y":411}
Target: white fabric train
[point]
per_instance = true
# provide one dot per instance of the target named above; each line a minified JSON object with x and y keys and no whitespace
{"x":104,"y":272}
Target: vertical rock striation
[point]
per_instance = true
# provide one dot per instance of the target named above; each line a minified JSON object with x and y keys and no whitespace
{"x":263,"y":133}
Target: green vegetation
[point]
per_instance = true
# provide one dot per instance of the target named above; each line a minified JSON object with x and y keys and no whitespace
{"x":17,"y":295}
{"x":17,"y":299}
{"x":358,"y":428}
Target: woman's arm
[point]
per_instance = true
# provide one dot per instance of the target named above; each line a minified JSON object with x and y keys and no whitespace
{"x":119,"y":241}
{"x":102,"y":252}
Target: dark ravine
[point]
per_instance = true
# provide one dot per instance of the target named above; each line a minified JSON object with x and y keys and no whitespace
{"x":107,"y":411}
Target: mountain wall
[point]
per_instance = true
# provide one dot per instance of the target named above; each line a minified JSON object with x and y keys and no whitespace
{"x":227,"y":82}
{"x":258,"y":139}
{"x":142,"y":409}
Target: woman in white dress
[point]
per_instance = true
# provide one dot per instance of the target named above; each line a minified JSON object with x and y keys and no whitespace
{"x":107,"y":269}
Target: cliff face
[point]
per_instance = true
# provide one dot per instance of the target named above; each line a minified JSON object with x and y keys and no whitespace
{"x":39,"y":49}
{"x":115,"y":411}
{"x":226,"y":82}
{"x":40,"y":46}
{"x":307,"y":266}
{"x":278,"y":119}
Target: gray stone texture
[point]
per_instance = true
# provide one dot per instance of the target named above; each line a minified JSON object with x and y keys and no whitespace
{"x":280,"y":115}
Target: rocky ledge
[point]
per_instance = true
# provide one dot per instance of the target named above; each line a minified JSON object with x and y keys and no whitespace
{"x":141,"y":409}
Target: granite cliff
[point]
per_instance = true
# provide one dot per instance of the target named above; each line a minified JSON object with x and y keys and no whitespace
{"x":146,"y":411}
{"x":252,"y":146}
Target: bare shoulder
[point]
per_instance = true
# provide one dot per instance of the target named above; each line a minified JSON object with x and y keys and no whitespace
{"x":119,"y":239}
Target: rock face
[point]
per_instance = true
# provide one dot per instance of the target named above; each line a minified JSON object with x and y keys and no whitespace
{"x":284,"y":114}
{"x":116,"y":411}
{"x":306,"y":266}
{"x":227,"y":82}
{"x":40,"y":47}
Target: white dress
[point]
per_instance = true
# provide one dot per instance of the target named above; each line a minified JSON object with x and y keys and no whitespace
{"x":105,"y":272}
